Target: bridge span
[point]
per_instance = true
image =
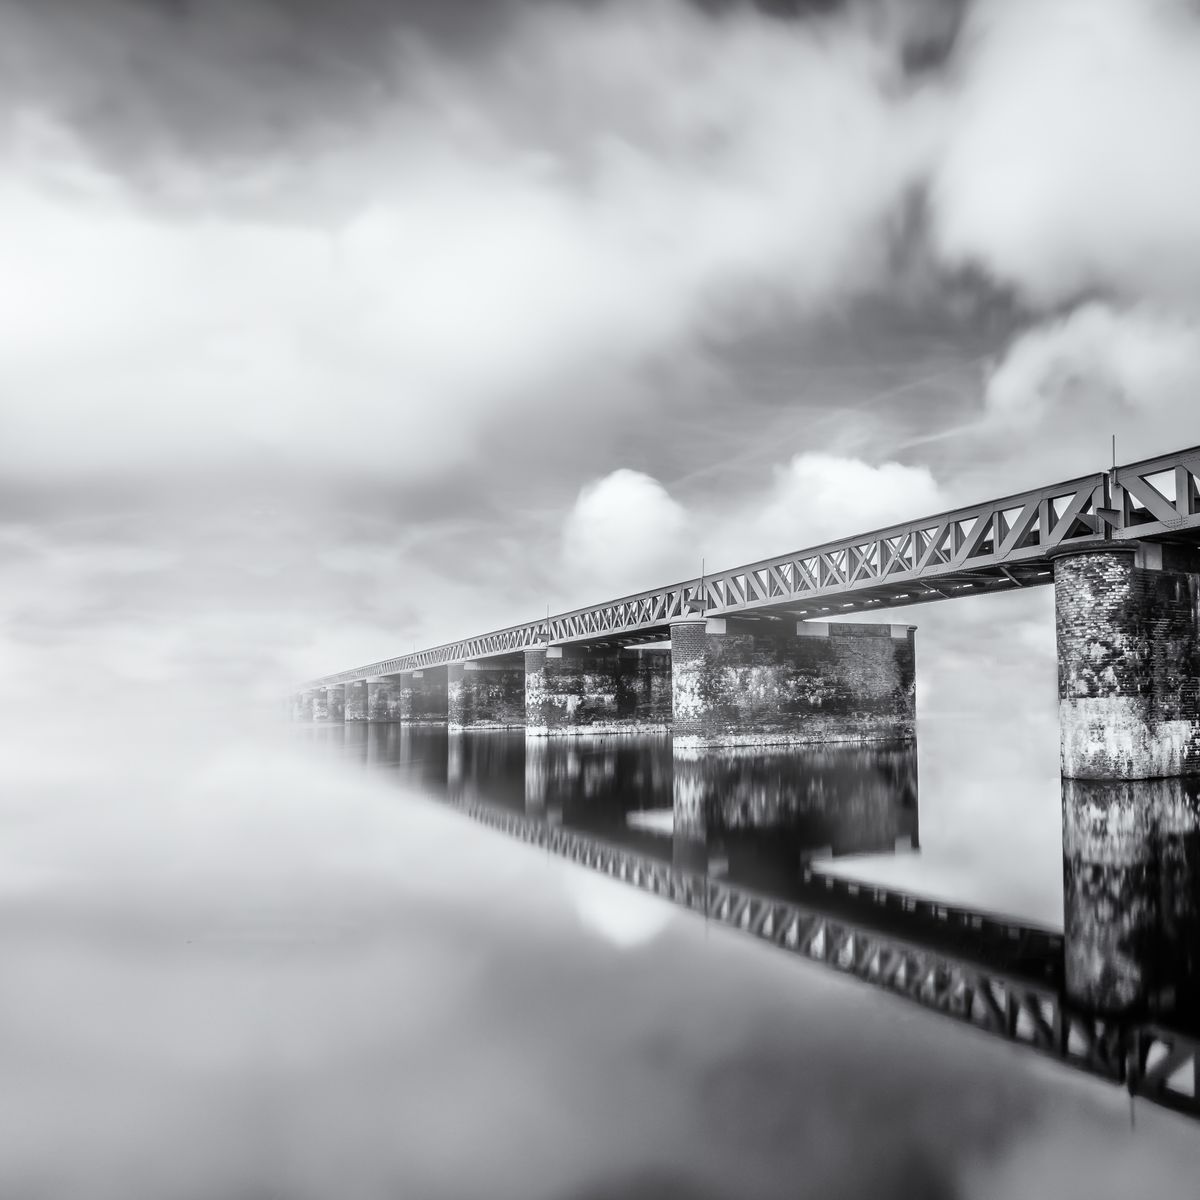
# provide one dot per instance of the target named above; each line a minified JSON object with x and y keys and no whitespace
{"x":759,"y":654}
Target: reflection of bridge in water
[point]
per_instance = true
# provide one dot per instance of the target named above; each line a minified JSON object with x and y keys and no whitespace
{"x":739,"y":838}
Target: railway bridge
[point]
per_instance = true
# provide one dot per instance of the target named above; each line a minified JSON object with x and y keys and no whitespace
{"x":760,"y":654}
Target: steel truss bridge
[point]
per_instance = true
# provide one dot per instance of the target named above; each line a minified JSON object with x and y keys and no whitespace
{"x":994,"y":546}
{"x":963,"y":971}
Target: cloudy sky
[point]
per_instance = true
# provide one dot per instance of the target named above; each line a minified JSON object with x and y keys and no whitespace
{"x":330,"y":330}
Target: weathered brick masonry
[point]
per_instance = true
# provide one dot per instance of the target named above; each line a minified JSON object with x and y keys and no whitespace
{"x":575,"y":689}
{"x":329,"y":703}
{"x":383,"y":699}
{"x":356,"y":700}
{"x":486,"y":694}
{"x":753,"y":683}
{"x":1128,"y":664}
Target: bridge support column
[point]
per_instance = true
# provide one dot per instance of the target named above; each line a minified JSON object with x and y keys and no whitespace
{"x":320,"y":704}
{"x":1127,"y":620}
{"x":760,"y":683}
{"x":383,"y":699}
{"x":487,"y":693}
{"x":580,"y":690}
{"x":356,"y":700}
{"x":335,"y":702}
{"x":423,"y":696}
{"x":302,"y":706}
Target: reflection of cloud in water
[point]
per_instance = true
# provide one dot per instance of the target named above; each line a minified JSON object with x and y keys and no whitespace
{"x":616,"y":911}
{"x":991,"y":822}
{"x":654,"y":820}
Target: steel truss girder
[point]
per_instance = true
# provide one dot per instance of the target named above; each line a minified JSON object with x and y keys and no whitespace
{"x":1155,"y":1062}
{"x":998,"y":544}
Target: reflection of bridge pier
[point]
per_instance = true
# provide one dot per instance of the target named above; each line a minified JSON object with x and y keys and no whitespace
{"x":998,"y":976}
{"x":1131,"y":895}
{"x":768,"y":811}
{"x":1117,"y":996}
{"x":594,"y":781}
{"x":486,"y":766}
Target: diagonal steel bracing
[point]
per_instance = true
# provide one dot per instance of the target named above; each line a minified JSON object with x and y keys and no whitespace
{"x":994,"y":546}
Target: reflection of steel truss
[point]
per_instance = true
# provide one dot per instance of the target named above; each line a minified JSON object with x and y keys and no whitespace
{"x":995,"y":546}
{"x":1155,"y":1062}
{"x":1165,"y":1067}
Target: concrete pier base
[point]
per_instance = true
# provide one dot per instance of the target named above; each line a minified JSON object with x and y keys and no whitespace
{"x":356,"y":700}
{"x":752,"y":683}
{"x":1127,"y":620}
{"x":487,"y":693}
{"x":335,"y":702}
{"x":573,"y":690}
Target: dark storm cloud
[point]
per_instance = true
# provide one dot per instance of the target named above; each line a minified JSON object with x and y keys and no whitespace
{"x":223,"y":76}
{"x":226,"y":79}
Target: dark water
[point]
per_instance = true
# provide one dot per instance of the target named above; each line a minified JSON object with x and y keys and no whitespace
{"x":763,"y":815}
{"x":767,"y":817}
{"x":792,"y":823}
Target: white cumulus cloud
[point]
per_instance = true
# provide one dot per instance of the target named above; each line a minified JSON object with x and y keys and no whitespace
{"x":1097,"y":361}
{"x":1070,"y":162}
{"x":626,"y":532}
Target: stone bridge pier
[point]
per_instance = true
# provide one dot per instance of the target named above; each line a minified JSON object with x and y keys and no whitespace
{"x":738,"y":682}
{"x":356,"y":700}
{"x":486,"y":693}
{"x":424,"y":696}
{"x":579,"y":689}
{"x":383,"y":698}
{"x":329,"y":703}
{"x":1127,"y":623}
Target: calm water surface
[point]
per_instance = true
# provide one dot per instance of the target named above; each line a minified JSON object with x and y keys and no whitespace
{"x":292,"y":972}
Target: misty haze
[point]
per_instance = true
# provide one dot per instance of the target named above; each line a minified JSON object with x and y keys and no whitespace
{"x":599,"y":598}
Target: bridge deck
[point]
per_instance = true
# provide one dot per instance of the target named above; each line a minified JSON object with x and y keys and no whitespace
{"x":995,"y":546}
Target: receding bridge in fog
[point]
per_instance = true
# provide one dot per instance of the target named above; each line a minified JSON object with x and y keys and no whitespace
{"x":757,"y":655}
